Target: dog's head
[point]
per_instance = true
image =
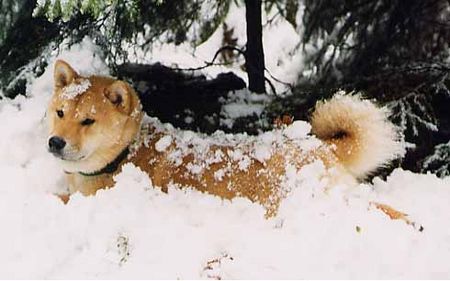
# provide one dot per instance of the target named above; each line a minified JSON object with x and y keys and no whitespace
{"x":91,"y":119}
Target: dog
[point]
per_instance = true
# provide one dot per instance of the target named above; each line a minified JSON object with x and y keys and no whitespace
{"x":96,"y":125}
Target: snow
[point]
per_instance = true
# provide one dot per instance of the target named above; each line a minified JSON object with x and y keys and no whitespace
{"x":75,"y":89}
{"x":262,"y":153}
{"x":241,"y":103}
{"x":436,"y":160}
{"x":134,"y":230}
{"x":162,"y":144}
{"x":298,"y":129}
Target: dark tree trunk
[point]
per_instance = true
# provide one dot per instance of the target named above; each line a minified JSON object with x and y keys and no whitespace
{"x":254,"y":56}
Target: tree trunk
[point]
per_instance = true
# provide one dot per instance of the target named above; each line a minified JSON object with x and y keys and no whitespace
{"x":254,"y":55}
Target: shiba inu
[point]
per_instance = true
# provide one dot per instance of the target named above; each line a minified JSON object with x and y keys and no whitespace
{"x":96,"y":125}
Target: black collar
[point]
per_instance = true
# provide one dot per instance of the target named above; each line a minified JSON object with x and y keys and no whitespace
{"x":111,"y":167}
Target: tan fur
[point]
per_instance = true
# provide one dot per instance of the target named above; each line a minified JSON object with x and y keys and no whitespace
{"x":366,"y":138}
{"x":117,"y":125}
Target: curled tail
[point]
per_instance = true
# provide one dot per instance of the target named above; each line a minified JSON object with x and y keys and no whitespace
{"x":362,"y":137}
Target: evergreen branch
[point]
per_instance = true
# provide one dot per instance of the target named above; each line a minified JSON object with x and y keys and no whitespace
{"x":212,"y":62}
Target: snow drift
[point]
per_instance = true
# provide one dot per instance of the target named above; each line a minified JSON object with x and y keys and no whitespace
{"x":135,"y":231}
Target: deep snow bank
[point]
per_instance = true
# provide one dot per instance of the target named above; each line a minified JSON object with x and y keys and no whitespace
{"x":135,"y":231}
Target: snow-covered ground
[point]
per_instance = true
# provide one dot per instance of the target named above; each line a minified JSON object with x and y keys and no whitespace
{"x":135,"y":231}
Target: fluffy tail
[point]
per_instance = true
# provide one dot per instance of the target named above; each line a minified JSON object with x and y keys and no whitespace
{"x":359,"y":132}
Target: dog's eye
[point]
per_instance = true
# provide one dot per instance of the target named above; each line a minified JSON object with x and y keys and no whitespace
{"x":60,"y":113}
{"x":87,"y":122}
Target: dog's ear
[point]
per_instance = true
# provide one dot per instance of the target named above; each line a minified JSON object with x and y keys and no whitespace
{"x":118,"y":93}
{"x":63,"y":74}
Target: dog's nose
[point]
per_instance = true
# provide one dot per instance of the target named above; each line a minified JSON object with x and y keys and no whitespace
{"x":56,"y":144}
